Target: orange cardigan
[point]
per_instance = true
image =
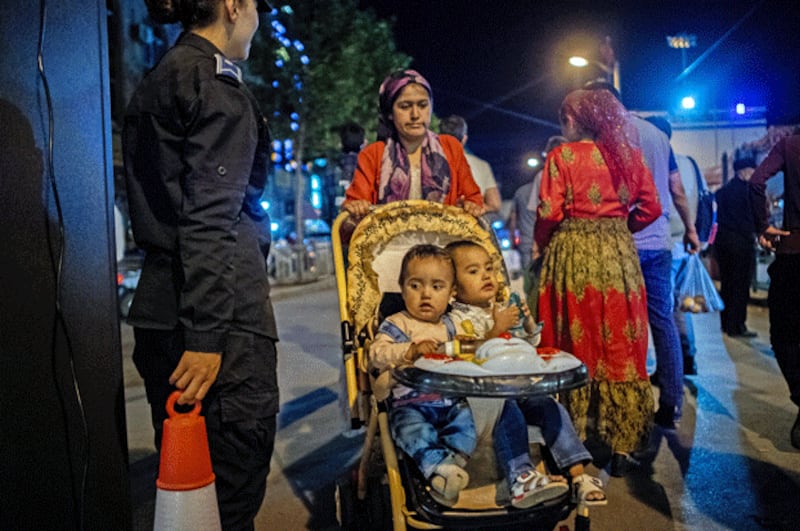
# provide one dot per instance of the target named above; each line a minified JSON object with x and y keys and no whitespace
{"x":367,"y":174}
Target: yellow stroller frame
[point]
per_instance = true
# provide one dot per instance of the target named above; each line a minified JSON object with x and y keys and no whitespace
{"x":360,"y":291}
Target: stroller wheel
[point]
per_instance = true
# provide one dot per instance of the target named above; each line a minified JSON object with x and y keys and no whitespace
{"x":374,"y":512}
{"x":347,"y":513}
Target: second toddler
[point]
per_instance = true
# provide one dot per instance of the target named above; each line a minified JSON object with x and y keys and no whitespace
{"x":476,"y":292}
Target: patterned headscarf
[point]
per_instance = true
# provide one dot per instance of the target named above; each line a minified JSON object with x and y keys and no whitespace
{"x":395,"y":177}
{"x":616,"y":136}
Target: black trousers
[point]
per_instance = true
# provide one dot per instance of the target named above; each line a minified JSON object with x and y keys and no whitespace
{"x":784,"y":318}
{"x":240,"y":413}
{"x":736,"y":265}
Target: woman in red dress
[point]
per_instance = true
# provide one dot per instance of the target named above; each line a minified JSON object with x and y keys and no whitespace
{"x":596,"y":191}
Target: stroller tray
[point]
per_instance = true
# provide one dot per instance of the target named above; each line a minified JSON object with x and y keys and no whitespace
{"x":498,"y":386}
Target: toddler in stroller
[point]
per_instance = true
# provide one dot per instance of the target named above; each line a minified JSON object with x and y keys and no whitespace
{"x":476,"y":312}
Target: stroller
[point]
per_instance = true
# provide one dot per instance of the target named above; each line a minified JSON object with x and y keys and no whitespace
{"x":386,"y":490}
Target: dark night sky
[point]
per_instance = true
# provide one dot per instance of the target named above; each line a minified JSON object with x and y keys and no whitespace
{"x":514,"y":54}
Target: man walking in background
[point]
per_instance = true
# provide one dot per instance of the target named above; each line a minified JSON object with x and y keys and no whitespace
{"x":456,"y":126}
{"x":784,"y":285}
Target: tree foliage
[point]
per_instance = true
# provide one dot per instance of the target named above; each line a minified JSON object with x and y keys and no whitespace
{"x":348,"y":52}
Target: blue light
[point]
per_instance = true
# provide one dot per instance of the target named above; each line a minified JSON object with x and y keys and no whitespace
{"x":316,"y":200}
{"x":304,"y":59}
{"x":299,"y":46}
{"x":321,"y":162}
{"x":315,"y":182}
{"x":294,"y":116}
{"x":294,"y":126}
{"x":275,"y":83}
{"x":274,"y":226}
{"x":287,"y":167}
{"x":497,"y":224}
{"x":279,"y":63}
{"x":740,"y":108}
{"x":505,"y":243}
{"x":276,"y":145}
{"x":265,"y":204}
{"x":688,"y":102}
{"x":278,"y":27}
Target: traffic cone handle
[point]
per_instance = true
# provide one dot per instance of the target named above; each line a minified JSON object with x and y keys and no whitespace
{"x":171,"y":406}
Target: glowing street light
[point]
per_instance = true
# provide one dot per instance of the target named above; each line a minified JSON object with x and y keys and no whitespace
{"x":609,"y":65}
{"x":577,"y":60}
{"x":682,"y":42}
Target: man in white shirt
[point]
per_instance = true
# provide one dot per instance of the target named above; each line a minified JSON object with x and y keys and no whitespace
{"x":456,"y":126}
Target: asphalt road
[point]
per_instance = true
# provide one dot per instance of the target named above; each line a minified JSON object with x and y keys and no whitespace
{"x":729,"y":465}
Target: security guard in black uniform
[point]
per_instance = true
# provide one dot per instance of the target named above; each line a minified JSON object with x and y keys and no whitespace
{"x":196,"y":153}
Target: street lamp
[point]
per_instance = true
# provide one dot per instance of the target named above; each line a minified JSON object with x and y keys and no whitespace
{"x":612,"y":73}
{"x":682,"y":42}
{"x":609,"y":65}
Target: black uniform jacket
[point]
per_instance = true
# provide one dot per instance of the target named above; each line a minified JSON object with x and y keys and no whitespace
{"x":196,"y":152}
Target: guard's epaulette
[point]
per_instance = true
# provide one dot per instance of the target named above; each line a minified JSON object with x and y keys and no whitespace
{"x":227,"y":70}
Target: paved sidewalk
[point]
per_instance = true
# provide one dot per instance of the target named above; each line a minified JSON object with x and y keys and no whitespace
{"x":728,"y":466}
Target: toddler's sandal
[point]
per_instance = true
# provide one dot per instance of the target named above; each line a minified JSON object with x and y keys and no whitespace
{"x":532,"y":488}
{"x":583,"y":486}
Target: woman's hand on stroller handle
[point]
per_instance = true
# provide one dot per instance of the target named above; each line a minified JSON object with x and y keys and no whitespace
{"x":469,"y":207}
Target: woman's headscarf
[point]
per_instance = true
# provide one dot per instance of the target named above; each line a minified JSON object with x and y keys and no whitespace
{"x":601,"y":113}
{"x":395,"y":177}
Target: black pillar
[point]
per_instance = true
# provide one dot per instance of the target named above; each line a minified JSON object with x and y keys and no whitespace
{"x":63,"y":449}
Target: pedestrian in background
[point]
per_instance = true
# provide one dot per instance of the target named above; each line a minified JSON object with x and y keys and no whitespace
{"x":595,"y":191}
{"x":654,"y":245}
{"x":456,"y":126}
{"x":691,"y":181}
{"x":196,"y":150}
{"x":734,"y":248}
{"x":409,"y":161}
{"x":522,"y":220}
{"x":784,"y":283}
{"x":351,"y":139}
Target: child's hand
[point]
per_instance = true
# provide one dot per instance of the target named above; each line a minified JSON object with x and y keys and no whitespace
{"x":528,"y":323}
{"x":416,"y":350}
{"x":504,"y":319}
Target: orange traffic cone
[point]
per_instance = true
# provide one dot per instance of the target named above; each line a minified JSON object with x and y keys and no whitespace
{"x":186,"y":497}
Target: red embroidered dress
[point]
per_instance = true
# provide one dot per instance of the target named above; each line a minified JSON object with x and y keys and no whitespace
{"x":591,"y":290}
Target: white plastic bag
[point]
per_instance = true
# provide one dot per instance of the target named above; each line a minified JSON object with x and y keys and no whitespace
{"x":695,"y":291}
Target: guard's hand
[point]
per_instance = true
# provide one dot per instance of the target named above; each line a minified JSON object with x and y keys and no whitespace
{"x":194,"y":375}
{"x":469,"y":207}
{"x":358,"y":208}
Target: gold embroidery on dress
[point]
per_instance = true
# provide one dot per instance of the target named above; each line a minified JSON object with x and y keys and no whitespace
{"x":597,"y":157}
{"x":567,"y":155}
{"x":594,"y":195}
{"x":553,"y":171}
{"x":624,"y":194}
